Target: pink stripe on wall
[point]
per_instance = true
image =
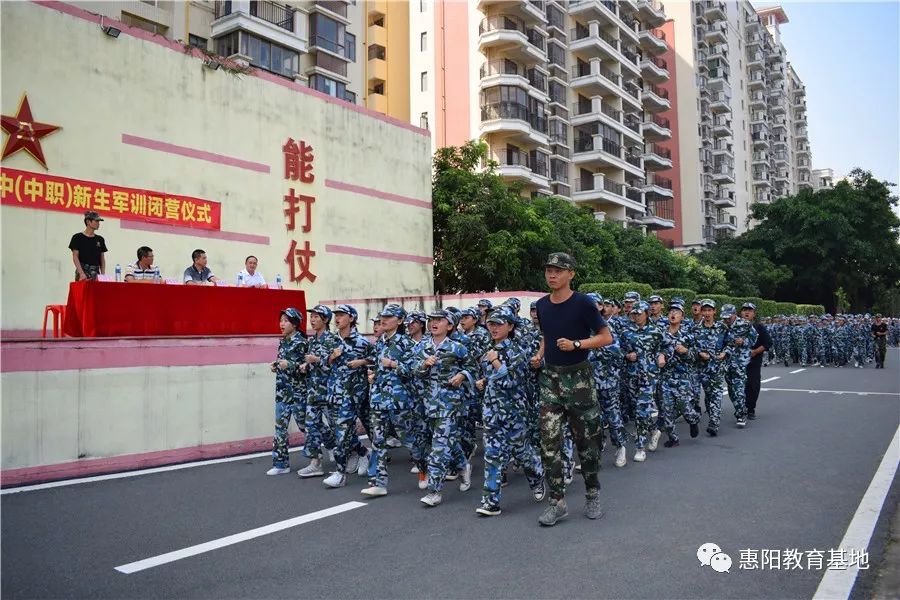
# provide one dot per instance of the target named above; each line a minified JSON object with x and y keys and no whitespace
{"x":401,"y":299}
{"x":69,"y":354}
{"x":221,"y":159}
{"x":131,"y":462}
{"x":367,"y":191}
{"x":231,"y":236}
{"x":426,"y":260}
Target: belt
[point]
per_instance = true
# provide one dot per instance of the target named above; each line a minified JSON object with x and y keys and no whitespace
{"x":569,"y":368}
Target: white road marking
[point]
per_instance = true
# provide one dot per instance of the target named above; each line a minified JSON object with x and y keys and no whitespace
{"x":797,"y":371}
{"x":838,"y":392}
{"x":190,"y":465}
{"x":155,"y":561}
{"x":838,"y":583}
{"x":770,"y":379}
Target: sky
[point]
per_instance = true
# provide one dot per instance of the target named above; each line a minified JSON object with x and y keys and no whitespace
{"x":848,"y":55}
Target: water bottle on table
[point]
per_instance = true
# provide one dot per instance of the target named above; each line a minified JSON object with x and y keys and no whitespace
{"x":278,"y":281}
{"x":156,"y":276}
{"x":240,"y":280}
{"x":118,"y":272}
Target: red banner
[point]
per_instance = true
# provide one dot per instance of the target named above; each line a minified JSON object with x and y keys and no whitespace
{"x":51,"y":192}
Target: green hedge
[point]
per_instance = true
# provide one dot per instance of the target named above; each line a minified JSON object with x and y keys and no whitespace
{"x":810,"y":309}
{"x":767,"y":308}
{"x":684,"y":293}
{"x":786,"y":308}
{"x":616,"y":289}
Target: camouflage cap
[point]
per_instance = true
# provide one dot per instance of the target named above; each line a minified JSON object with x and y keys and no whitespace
{"x":293,"y":315}
{"x":502,"y":316}
{"x":346,"y":309}
{"x":654,"y":298}
{"x":514,"y":302}
{"x":93,"y":215}
{"x":677,"y":300}
{"x":444,"y":314}
{"x":707,"y":302}
{"x":416,"y":315}
{"x":676,"y":306}
{"x":639,"y":307}
{"x":470,"y":312}
{"x":393,"y":310}
{"x":484,"y":302}
{"x":597,"y":298}
{"x":697,"y":301}
{"x":560,"y":260}
{"x":321,"y":310}
{"x":533,"y":305}
{"x":728,"y":310}
{"x":748,"y":306}
{"x":632,"y":297}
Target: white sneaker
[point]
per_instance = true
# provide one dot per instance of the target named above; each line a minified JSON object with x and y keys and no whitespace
{"x":414,"y":469}
{"x":432,"y":499}
{"x":327,"y":455}
{"x":621,"y":457}
{"x":313,"y":469}
{"x":654,"y":440}
{"x":640,"y":455}
{"x":278,"y":471}
{"x":335,"y":480}
{"x":466,"y":478}
{"x":374,"y":491}
{"x":352,"y":463}
{"x":363,"y":468}
{"x":393,"y":443}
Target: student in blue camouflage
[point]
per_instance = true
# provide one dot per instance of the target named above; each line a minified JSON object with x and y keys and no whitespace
{"x":740,"y":337}
{"x":641,"y":345}
{"x":713,"y":353}
{"x":289,"y":387}
{"x":416,"y":322}
{"x":607,"y":363}
{"x":319,"y":428}
{"x":679,"y":354}
{"x":348,"y":389}
{"x":503,"y":370}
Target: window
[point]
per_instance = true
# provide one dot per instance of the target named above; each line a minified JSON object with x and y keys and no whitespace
{"x":423,"y":41}
{"x":329,"y":34}
{"x":197,"y":42}
{"x":423,"y":81}
{"x":378,"y":88}
{"x":376,"y":51}
{"x":421,"y":5}
{"x":268,"y":56}
{"x":331,"y":87}
{"x":350,"y":43}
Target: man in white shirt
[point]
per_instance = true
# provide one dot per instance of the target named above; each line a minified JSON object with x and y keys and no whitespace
{"x":142,"y":271}
{"x":252,"y":278}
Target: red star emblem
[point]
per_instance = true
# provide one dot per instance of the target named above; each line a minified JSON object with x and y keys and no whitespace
{"x":24,"y":133}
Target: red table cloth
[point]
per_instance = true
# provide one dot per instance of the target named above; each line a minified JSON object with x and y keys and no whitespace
{"x":111,"y":309}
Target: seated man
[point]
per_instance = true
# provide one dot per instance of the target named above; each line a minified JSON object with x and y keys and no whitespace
{"x":198,"y":273}
{"x":142,"y":271}
{"x":252,"y":277}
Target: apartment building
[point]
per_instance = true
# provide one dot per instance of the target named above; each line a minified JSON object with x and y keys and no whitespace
{"x":315,"y":43}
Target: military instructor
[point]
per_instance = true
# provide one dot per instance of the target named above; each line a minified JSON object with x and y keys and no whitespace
{"x":570,"y":325}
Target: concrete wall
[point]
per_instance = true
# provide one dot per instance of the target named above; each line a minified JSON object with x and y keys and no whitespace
{"x":371,"y":221}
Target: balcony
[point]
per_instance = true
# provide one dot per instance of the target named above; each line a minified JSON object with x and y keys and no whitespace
{"x":726,"y":221}
{"x":595,"y":187}
{"x":531,"y":170}
{"x":801,"y":133}
{"x":720,"y":102}
{"x":267,"y":20}
{"x":591,"y":40}
{"x":590,"y":110}
{"x":655,"y":69}
{"x":655,"y":99}
{"x":758,"y":101}
{"x":721,"y":126}
{"x":508,"y":34}
{"x":502,"y":72}
{"x":537,"y":80}
{"x":652,"y":41}
{"x":714,"y":10}
{"x":333,"y":8}
{"x":755,"y":60}
{"x":593,"y":79}
{"x":802,"y":149}
{"x":718,"y":52}
{"x":715,"y":33}
{"x":722,"y":148}
{"x":760,"y":158}
{"x":756,"y":81}
{"x":658,"y":187}
{"x":718,"y":78}
{"x":377,"y":102}
{"x":657,"y":129}
{"x":594,"y":150}
{"x":780,"y":158}
{"x":652,"y":12}
{"x":724,"y":198}
{"x":657,"y":158}
{"x":514,"y":120}
{"x":761,"y":178}
{"x":658,"y":214}
{"x":377,"y":69}
{"x":723,"y":173}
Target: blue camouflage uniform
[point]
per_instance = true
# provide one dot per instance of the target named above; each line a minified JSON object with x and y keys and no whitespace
{"x":319,"y":428}
{"x":677,"y":379}
{"x":645,"y":342}
{"x":606,"y":365}
{"x":736,"y":367}
{"x":711,"y":340}
{"x":290,"y":392}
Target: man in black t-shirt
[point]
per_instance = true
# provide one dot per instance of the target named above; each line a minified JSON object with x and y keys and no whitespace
{"x":571,"y":326}
{"x":88,"y":249}
{"x":879,"y":331}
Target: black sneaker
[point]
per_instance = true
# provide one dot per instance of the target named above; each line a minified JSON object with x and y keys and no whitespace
{"x":751,"y":416}
{"x":671,"y":443}
{"x":695,"y":430}
{"x":503,"y":480}
{"x":488,"y":510}
{"x":712,"y":432}
{"x":539,"y":492}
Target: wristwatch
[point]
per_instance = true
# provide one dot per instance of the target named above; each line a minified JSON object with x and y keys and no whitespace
{"x":577,"y":344}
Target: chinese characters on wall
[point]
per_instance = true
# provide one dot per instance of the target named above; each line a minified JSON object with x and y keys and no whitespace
{"x":298,"y":167}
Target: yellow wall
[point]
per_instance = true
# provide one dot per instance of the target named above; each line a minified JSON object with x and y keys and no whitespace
{"x":98,"y":88}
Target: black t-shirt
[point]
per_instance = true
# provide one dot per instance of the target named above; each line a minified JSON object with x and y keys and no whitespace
{"x":575,"y":319}
{"x":89,"y":248}
{"x":762,"y":339}
{"x":879,"y":329}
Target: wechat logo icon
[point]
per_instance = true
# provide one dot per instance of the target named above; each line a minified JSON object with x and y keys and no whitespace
{"x":710,"y":555}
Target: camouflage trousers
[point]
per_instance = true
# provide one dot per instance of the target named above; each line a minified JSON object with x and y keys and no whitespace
{"x":468,"y":436}
{"x":736,"y":380}
{"x":445,"y":434}
{"x":343,"y":414}
{"x":506,"y":438}
{"x":677,"y":398}
{"x":409,"y":428}
{"x":611,"y":415}
{"x":284,"y":412}
{"x":567,"y":396}
{"x":91,"y":271}
{"x":641,"y":390}
{"x":880,"y":351}
{"x":319,"y":429}
{"x":713,"y":384}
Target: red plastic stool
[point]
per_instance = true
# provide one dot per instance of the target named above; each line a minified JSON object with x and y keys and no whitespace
{"x":59,"y":318}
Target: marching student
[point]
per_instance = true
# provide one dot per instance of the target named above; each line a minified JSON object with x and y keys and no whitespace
{"x":319,"y":428}
{"x":290,"y":400}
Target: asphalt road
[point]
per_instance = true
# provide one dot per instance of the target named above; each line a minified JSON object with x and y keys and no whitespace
{"x":792,"y":480}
